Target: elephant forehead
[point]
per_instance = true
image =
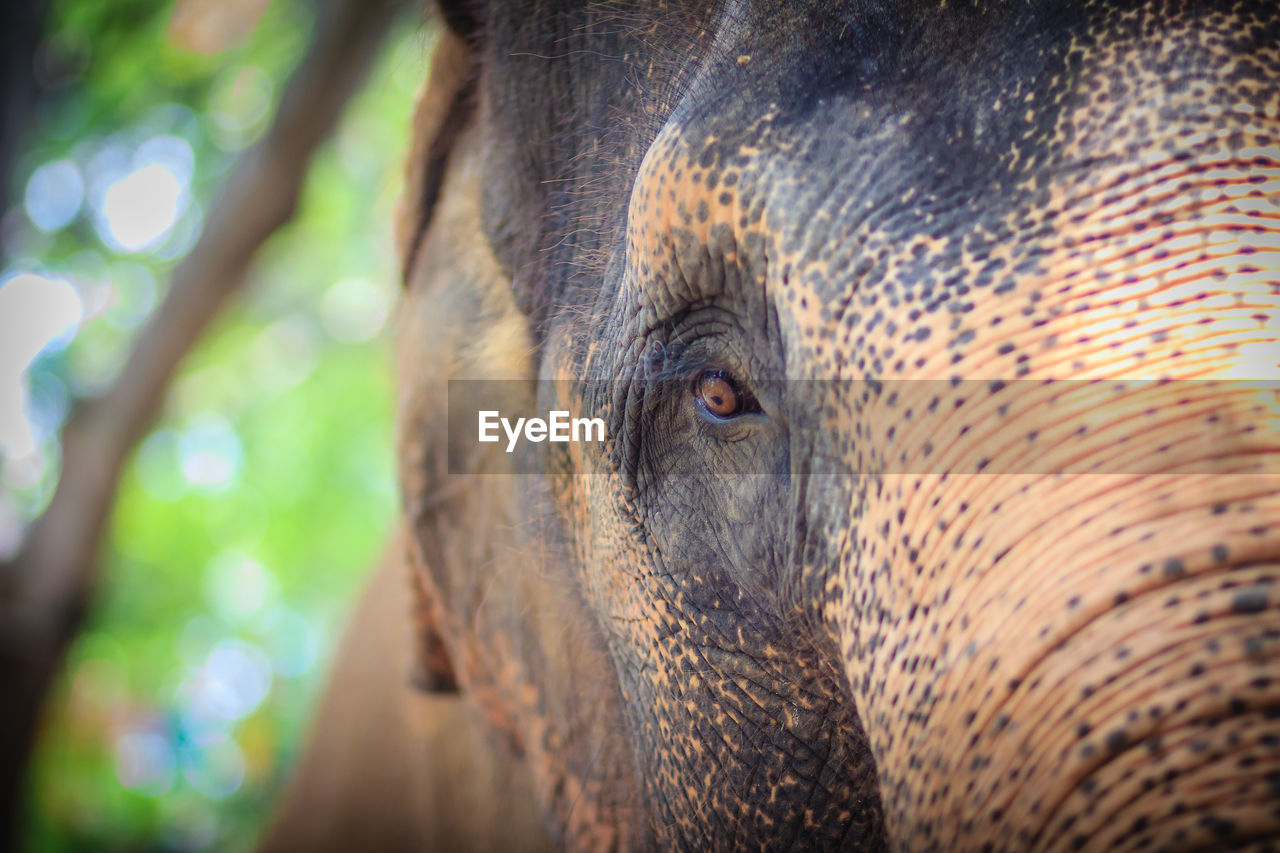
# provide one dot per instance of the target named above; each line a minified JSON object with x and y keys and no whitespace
{"x":972,"y":231}
{"x":695,"y":204}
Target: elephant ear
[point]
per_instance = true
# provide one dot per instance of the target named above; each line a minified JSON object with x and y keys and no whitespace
{"x":457,"y":320}
{"x":445,"y":106}
{"x":462,"y":17}
{"x":431,"y":670}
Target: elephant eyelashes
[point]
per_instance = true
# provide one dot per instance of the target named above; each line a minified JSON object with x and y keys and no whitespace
{"x":721,"y":396}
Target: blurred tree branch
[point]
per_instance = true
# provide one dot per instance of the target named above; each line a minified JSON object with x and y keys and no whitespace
{"x":46,"y":588}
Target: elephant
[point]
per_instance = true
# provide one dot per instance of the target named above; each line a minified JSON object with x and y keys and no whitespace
{"x":936,"y":345}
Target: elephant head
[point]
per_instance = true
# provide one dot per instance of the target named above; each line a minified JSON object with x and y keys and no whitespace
{"x":938,"y":504}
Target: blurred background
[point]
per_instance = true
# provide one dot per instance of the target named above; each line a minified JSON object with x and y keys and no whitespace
{"x":250,"y":508}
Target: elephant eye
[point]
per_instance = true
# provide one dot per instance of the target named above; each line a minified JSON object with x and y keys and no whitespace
{"x":721,"y":396}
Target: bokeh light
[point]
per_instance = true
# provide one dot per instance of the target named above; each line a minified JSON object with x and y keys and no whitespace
{"x":37,"y":312}
{"x":54,"y":195}
{"x":138,"y":209}
{"x":355,"y":309}
{"x":210,"y":454}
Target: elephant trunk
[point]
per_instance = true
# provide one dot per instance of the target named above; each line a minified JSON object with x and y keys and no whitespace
{"x":1055,"y":601}
{"x":1069,"y":660}
{"x":1052,"y":660}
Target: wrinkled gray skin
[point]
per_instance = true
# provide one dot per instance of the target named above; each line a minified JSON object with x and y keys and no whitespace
{"x":885,"y":606}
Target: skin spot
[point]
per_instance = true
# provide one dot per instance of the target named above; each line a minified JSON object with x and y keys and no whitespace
{"x":1253,"y":600}
{"x":1117,"y":740}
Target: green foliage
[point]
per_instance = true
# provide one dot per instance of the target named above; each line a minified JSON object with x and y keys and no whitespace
{"x":247,"y":517}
